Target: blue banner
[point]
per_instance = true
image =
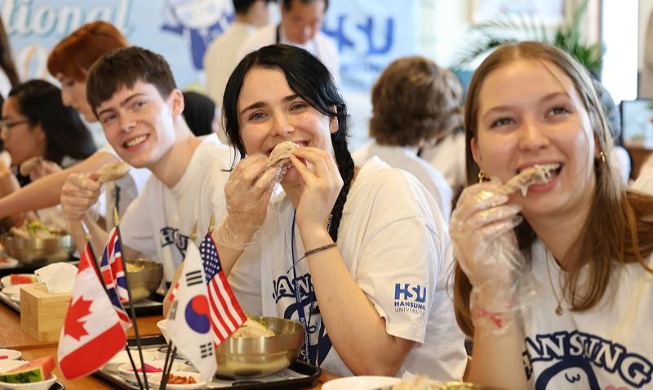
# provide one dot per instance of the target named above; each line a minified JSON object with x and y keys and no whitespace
{"x":368,"y":34}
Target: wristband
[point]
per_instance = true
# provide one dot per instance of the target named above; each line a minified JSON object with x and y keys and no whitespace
{"x":320,"y":249}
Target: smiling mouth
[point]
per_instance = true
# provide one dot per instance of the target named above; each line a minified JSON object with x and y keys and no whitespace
{"x":534,"y":175}
{"x":136,"y":141}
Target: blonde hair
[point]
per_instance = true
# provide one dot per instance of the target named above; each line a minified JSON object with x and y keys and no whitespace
{"x":613,"y":234}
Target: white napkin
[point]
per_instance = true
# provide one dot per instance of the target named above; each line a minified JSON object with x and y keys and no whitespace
{"x":58,"y":277}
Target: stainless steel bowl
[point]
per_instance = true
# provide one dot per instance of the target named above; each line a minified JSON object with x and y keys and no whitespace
{"x":146,"y":280}
{"x":256,"y":357}
{"x":39,"y":250}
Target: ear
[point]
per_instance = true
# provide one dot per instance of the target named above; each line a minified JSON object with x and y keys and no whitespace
{"x":333,"y":124}
{"x":476,"y":153}
{"x":176,"y":100}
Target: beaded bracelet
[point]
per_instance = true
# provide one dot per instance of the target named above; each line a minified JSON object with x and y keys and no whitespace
{"x":320,"y":249}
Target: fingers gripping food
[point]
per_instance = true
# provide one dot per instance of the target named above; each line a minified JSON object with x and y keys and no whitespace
{"x":30,"y":164}
{"x":280,"y":156}
{"x":112,"y":171}
{"x":537,"y":174}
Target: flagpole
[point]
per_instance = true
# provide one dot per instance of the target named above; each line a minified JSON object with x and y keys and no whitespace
{"x":132,"y":311}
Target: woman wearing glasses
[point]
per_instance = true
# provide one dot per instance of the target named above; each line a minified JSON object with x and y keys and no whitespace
{"x":35,"y":123}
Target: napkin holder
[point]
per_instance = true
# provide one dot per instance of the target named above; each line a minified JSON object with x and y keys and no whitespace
{"x":42,"y":313}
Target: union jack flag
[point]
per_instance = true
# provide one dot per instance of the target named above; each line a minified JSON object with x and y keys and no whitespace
{"x":226,"y":313}
{"x":113,"y":275}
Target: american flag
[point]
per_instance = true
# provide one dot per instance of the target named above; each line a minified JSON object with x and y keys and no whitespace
{"x":113,"y":274}
{"x":226,"y":313}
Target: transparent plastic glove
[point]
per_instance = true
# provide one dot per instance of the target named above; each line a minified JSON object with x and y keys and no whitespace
{"x":482,"y":230}
{"x":247,"y":195}
{"x":43,"y":169}
{"x":79,"y":193}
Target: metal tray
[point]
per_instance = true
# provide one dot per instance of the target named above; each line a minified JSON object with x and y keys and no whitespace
{"x":298,"y":375}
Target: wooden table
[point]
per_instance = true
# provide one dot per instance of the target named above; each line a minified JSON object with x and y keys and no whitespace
{"x":11,"y":336}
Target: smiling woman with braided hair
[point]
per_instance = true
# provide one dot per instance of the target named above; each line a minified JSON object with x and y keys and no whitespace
{"x":358,"y":254}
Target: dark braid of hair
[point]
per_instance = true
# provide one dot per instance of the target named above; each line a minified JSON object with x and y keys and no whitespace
{"x":346,"y":168}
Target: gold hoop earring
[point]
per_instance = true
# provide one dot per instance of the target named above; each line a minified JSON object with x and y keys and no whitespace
{"x":602,"y":156}
{"x":481,"y":176}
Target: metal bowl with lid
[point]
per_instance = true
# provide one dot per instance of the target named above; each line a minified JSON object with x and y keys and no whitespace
{"x":255,"y":357}
{"x":144,"y":277}
{"x":36,"y":250}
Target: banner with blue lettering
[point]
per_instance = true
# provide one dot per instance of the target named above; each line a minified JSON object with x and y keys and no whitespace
{"x":368,"y":34}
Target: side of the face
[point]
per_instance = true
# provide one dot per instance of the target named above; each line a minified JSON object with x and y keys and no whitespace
{"x":139,"y":123}
{"x":23,"y":140}
{"x":270,"y":112}
{"x":531,"y":112}
{"x":302,"y":21}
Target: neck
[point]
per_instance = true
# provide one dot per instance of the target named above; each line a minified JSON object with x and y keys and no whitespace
{"x":172,"y":165}
{"x":293,"y":192}
{"x":561,"y":233}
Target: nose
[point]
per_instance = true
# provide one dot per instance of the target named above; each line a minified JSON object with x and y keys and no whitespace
{"x":532,"y":136}
{"x":281,"y":126}
{"x":127,"y":124}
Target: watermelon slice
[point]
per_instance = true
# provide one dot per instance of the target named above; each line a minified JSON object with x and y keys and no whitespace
{"x":35,"y":371}
{"x":23,"y":279}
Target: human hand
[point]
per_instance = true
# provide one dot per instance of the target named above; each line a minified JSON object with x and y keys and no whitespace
{"x":481,"y":228}
{"x":247,"y":194}
{"x":42,"y":169}
{"x":79,"y":193}
{"x":321,"y":185}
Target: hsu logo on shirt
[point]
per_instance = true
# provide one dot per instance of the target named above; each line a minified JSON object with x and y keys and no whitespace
{"x":172,"y":236}
{"x":410,"y":298}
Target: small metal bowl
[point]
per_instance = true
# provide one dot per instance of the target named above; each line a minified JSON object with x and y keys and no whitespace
{"x":146,"y":280}
{"x":255,"y":357}
{"x":39,"y":250}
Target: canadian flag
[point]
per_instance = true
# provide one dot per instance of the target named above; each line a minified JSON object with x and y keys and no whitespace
{"x":91,"y":334}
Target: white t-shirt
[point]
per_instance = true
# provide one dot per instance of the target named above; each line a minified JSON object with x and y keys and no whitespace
{"x":406,"y":159}
{"x":321,"y":46}
{"x":448,"y":157}
{"x":396,"y":246}
{"x":159,"y":222}
{"x":123,"y":191}
{"x":607,"y":347}
{"x":222,"y":57}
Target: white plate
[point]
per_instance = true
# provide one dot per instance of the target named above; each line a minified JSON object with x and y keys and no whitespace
{"x":42,"y":385}
{"x":126,"y":369}
{"x":156,"y":381}
{"x":122,"y":358}
{"x":7,"y":262}
{"x":8,"y":365}
{"x":360,"y":383}
{"x":6,"y":280}
{"x":10,"y":354}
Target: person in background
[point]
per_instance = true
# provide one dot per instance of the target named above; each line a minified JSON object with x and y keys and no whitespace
{"x":622,"y":160}
{"x":200,"y":113}
{"x":140,"y":109}
{"x":301,"y":22}
{"x":222,"y":55}
{"x":447,"y":155}
{"x":367,"y":244}
{"x":70,"y":61}
{"x":554,"y":286}
{"x":415,"y":103}
{"x":8,"y":75}
{"x":35,"y":123}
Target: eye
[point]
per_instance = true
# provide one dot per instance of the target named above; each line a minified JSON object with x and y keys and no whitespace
{"x":298,"y":106}
{"x":107,"y":118}
{"x":560,"y":110}
{"x":137,"y":104}
{"x":257,"y":116}
{"x":503,"y":121}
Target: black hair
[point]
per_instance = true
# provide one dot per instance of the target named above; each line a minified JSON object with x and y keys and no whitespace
{"x":242,"y":6}
{"x":199,"y":112}
{"x":310,"y":80}
{"x":287,"y":4}
{"x":66,"y":134}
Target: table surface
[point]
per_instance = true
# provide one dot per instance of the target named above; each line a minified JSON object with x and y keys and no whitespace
{"x":11,"y":336}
